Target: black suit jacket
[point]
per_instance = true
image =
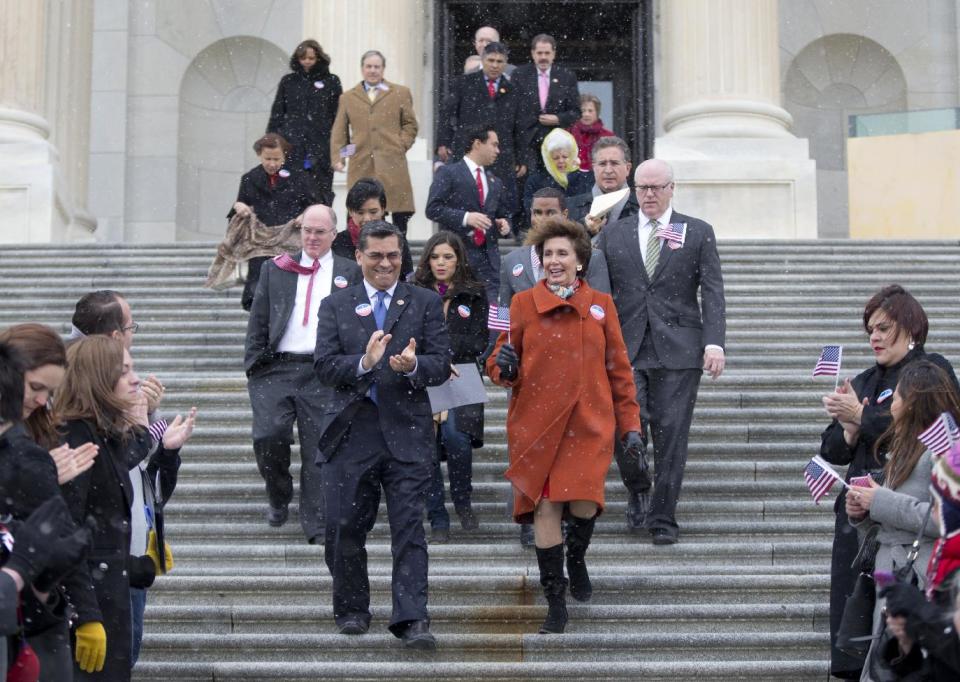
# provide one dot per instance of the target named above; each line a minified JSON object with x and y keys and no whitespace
{"x":563,"y":99}
{"x":453,"y":193}
{"x":666,"y":305}
{"x":469,"y":104}
{"x":406,"y":420}
{"x":279,"y":204}
{"x":273,"y":304}
{"x":579,"y":206}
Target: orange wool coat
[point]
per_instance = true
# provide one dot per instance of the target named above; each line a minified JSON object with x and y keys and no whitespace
{"x":573,"y":395}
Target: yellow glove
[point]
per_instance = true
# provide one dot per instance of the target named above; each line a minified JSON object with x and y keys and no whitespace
{"x":152,"y":553}
{"x":91,"y":647}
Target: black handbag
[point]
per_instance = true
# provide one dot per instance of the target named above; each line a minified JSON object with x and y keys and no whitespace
{"x":856,"y":624}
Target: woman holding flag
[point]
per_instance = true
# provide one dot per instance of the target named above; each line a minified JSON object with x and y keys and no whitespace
{"x":897,"y":326}
{"x":573,"y":393}
{"x":899,"y":507}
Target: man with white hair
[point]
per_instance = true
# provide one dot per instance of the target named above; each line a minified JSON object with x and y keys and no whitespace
{"x":658,"y":261}
{"x":281,"y":335}
{"x":483,"y":37}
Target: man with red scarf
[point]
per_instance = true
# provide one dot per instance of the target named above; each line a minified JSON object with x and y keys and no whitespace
{"x":281,"y":336}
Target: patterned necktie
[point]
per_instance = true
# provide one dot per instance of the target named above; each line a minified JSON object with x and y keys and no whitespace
{"x":653,"y":250}
{"x":491,"y":89}
{"x":371,"y":94}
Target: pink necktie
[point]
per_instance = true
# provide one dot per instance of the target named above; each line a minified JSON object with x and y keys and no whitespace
{"x":544,"y":89}
{"x":306,"y":306}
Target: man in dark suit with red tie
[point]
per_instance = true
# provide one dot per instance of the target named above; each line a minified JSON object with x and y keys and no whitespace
{"x":486,"y":97}
{"x":380,"y":344}
{"x":549,"y":95}
{"x":467,"y":199}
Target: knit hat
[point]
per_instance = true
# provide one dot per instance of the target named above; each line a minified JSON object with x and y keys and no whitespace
{"x":945,"y":484}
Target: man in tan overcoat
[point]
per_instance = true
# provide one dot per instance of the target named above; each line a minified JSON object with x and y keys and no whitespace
{"x":374,"y":128}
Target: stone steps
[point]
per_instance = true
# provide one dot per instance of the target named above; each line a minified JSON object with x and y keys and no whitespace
{"x":744,"y":594}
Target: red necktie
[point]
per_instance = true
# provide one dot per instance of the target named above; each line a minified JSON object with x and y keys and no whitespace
{"x":306,"y":306}
{"x":492,"y":89}
{"x":479,"y":238}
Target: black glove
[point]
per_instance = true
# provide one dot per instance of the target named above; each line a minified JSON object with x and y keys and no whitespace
{"x":47,"y":545}
{"x":904,"y":599}
{"x":635,"y":447}
{"x":508,"y":361}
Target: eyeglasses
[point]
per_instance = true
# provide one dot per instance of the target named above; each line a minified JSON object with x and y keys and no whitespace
{"x":656,"y":189}
{"x":393,"y":255}
{"x":132,"y":328}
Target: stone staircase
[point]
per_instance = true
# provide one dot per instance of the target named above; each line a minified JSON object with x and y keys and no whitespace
{"x":744,"y":594}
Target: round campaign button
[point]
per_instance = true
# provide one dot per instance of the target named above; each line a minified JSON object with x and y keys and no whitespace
{"x":363,"y":309}
{"x":517,"y":269}
{"x":340,"y":281}
{"x":674,"y":245}
{"x":284,"y":173}
{"x":884,"y":395}
{"x":463,"y":311}
{"x":597,"y":312}
{"x":318,"y":85}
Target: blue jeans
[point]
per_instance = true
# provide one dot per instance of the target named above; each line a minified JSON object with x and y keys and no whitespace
{"x":138,"y":603}
{"x":460,"y":469}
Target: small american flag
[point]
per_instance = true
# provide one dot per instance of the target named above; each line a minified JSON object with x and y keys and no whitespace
{"x":498,"y":318}
{"x":674,"y":232}
{"x":819,"y":477}
{"x":829,"y":363}
{"x":941,"y":435}
{"x":157,"y":429}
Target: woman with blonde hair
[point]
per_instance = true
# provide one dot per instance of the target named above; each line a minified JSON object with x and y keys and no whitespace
{"x":562,"y":169}
{"x":100,"y":400}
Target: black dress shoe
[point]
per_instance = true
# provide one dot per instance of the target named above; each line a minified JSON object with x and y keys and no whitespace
{"x":277,"y":516}
{"x":439,"y":536}
{"x":353,"y":625}
{"x":638,"y":506}
{"x":662,"y":536}
{"x":526,"y":535}
{"x":417,"y":636}
{"x":468,"y":520}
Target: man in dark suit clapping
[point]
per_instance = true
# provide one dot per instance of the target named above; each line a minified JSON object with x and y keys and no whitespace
{"x":379,"y":345}
{"x":671,"y":337}
{"x":467,"y":199}
{"x":549,"y":95}
{"x":488,"y":98}
{"x":281,"y":335}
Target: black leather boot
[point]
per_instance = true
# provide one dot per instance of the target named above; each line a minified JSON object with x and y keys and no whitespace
{"x":554,"y":588}
{"x":579,"y":532}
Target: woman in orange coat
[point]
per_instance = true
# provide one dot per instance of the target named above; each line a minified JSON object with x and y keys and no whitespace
{"x":572,"y":391}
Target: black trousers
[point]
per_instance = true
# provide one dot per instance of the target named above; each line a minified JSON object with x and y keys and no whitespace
{"x":250,"y":285}
{"x":352,"y":480}
{"x":281,"y":393}
{"x":667,"y":398}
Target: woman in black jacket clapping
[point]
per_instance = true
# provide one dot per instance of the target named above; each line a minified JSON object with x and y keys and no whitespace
{"x":443,"y":267}
{"x":303,"y":113}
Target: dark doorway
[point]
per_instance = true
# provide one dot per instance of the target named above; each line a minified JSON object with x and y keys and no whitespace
{"x":607,"y":44}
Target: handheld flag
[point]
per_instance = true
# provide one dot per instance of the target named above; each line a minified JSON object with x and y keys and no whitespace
{"x":819,"y":477}
{"x":941,"y":435}
{"x":674,"y":232}
{"x":498,"y":318}
{"x":829,"y":362}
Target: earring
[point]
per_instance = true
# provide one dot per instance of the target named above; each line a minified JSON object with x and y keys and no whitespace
{"x":911,"y":345}
{"x":579,"y":268}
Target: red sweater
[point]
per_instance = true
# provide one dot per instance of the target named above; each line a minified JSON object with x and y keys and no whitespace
{"x":585,"y":136}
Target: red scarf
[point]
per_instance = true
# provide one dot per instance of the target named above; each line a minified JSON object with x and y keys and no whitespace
{"x":586,"y":136}
{"x":354,"y":231}
{"x":944,"y":560}
{"x":285,"y":262}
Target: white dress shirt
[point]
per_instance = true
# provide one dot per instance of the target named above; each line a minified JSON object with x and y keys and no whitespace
{"x":298,"y":338}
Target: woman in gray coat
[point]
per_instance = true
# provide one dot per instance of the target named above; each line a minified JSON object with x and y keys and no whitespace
{"x":900,"y":506}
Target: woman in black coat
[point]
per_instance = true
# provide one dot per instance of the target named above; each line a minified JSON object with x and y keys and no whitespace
{"x":443,"y":268}
{"x":274,"y":193}
{"x":303,"y":113}
{"x":100,"y":401}
{"x":897,"y":328}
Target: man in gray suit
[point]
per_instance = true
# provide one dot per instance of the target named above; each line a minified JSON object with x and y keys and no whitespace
{"x":611,"y":167}
{"x":281,"y":336}
{"x":521,"y":269}
{"x":671,"y":338}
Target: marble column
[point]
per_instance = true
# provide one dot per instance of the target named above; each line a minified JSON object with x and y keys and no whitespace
{"x":399,"y":29}
{"x":724,"y":130}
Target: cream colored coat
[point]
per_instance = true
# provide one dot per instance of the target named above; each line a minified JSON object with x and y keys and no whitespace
{"x":382,"y":132}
